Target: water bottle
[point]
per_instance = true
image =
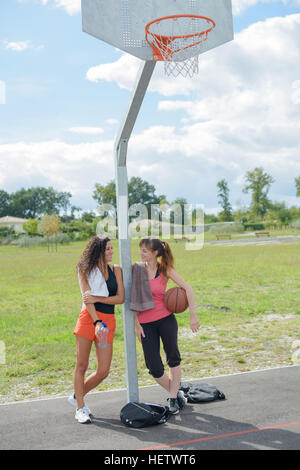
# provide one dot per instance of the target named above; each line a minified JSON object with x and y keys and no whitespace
{"x":102,"y":341}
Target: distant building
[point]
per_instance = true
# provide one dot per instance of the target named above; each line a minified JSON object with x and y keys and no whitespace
{"x":13,"y":222}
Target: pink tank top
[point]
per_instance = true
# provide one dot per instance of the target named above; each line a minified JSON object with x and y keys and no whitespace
{"x":158,"y":287}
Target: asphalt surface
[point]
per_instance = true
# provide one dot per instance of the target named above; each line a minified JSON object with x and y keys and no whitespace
{"x":261,"y":412}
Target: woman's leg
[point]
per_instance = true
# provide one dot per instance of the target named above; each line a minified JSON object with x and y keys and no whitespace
{"x":151,"y":348}
{"x":83,"y":349}
{"x":104,"y":357}
{"x":171,"y":382}
{"x":164,"y":381}
{"x":169,"y":336}
{"x":175,"y":378}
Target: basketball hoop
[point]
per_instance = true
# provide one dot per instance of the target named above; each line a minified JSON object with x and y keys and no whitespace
{"x":176,"y":40}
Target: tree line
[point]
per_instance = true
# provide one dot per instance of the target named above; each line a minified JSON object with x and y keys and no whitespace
{"x":49,"y":211}
{"x":258,"y":184}
{"x":34,"y":202}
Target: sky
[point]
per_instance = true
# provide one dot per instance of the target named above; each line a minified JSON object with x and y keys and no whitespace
{"x":63,"y":94}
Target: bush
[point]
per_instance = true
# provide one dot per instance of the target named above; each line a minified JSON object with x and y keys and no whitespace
{"x":254,"y":226}
{"x":61,"y":238}
{"x":6,"y":232}
{"x":26,"y":240}
{"x":296,"y":224}
{"x":231,"y":227}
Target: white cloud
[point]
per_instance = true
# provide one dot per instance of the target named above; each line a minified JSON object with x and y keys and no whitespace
{"x":123,"y":71}
{"x":112,"y":121}
{"x":87,"y":130}
{"x":67,"y":167}
{"x":71,"y":6}
{"x":20,"y":46}
{"x":296,"y":92}
{"x":239,"y":6}
{"x":240,"y":112}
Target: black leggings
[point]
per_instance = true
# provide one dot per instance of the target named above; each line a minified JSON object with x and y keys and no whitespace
{"x":166,"y":329}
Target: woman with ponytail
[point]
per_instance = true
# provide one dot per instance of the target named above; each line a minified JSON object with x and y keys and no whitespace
{"x":102,"y":288}
{"x":158,"y":323}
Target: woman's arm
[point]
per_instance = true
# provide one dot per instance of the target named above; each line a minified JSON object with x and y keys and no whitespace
{"x":174,"y":276}
{"x":139,"y":328}
{"x":90,"y":306}
{"x":113,"y":300}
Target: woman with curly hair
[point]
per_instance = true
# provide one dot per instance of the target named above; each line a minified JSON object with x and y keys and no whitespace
{"x":96,"y":276}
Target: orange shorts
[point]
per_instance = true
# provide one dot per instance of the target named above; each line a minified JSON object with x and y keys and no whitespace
{"x":85,"y":325}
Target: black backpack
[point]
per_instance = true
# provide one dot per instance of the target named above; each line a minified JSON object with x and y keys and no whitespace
{"x":140,"y":415}
{"x":201,"y":392}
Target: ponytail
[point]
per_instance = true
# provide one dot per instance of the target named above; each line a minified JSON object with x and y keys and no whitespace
{"x":167,"y":260}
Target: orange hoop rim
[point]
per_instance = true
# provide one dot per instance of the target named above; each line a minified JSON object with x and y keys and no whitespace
{"x":171,"y":38}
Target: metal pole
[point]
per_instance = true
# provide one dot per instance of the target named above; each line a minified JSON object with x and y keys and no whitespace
{"x":121,"y":145}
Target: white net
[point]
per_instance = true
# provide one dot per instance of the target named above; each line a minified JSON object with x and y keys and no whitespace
{"x":186,"y":68}
{"x":178,"y":41}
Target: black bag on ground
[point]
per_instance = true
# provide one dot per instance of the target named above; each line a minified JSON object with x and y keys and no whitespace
{"x":140,"y":415}
{"x":201,"y":392}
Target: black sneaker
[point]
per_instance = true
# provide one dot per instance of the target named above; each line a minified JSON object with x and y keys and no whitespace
{"x":173,"y":406}
{"x":182,"y":400}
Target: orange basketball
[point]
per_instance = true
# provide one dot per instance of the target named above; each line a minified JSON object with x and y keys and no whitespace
{"x":175,"y":300}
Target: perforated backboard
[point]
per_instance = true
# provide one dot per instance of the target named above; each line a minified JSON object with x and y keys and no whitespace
{"x":122,"y":23}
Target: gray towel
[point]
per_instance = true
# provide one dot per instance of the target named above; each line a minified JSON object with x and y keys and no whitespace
{"x":140,"y":296}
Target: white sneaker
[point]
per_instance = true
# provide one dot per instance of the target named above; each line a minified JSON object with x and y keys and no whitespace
{"x":82,"y":416}
{"x":73,"y":402}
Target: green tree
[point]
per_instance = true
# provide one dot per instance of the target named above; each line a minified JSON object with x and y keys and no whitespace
{"x":279,"y":213}
{"x":49,"y":226}
{"x":88,"y":217}
{"x":297,"y":181}
{"x":105,"y":194}
{"x":5,"y":202}
{"x":142,"y":192}
{"x":139,"y":192}
{"x":181,"y":201}
{"x":223,"y":197}
{"x":258,"y":183}
{"x":31,"y":227}
{"x":35,"y":202}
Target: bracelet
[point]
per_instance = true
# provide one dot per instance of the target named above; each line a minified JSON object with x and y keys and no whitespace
{"x":95,"y":322}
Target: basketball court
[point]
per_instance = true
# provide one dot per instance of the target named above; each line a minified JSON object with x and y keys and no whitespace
{"x":261,"y":412}
{"x":262,"y":408}
{"x":174,"y":33}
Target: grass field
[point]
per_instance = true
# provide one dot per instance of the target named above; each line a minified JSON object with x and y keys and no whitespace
{"x":247,"y":300}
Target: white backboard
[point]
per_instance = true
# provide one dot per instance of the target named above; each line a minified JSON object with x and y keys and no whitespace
{"x":122,"y":23}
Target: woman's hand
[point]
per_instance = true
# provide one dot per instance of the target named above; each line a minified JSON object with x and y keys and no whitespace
{"x":97,"y":330}
{"x":88,"y":298}
{"x":139,"y":331}
{"x":194,"y":323}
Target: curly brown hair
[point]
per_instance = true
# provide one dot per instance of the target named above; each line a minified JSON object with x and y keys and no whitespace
{"x":92,"y":254}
